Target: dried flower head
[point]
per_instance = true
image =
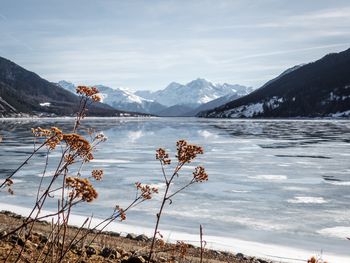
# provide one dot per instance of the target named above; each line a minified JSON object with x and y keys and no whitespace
{"x":97,"y":174}
{"x":121,"y":212}
{"x":8,"y":182}
{"x":80,"y":145}
{"x":199,"y":174}
{"x":162,"y":156}
{"x":315,"y":260}
{"x":54,"y":135}
{"x":146,"y":191}
{"x":96,"y":97}
{"x":81,"y":188}
{"x":40,"y":132}
{"x":187,"y":152}
{"x":101,"y":137}
{"x":69,"y":159}
{"x":87,"y":91}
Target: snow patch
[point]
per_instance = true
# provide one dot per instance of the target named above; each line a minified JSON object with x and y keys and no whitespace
{"x":341,"y":114}
{"x":307,"y":200}
{"x":268,"y":177}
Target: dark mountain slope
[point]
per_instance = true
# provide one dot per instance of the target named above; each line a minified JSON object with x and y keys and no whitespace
{"x":22,"y":91}
{"x":317,"y":89}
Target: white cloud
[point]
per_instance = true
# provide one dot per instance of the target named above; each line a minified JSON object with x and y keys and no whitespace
{"x":148,"y":45}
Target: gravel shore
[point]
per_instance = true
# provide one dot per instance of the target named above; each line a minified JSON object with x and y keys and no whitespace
{"x":107,"y":247}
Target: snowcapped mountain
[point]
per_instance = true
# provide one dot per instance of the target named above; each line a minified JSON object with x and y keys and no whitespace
{"x":126,"y":100}
{"x":194,"y":93}
{"x":175,"y":100}
{"x":121,"y":99}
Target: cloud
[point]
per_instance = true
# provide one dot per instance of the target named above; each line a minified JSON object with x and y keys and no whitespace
{"x":289,"y":51}
{"x":148,"y":45}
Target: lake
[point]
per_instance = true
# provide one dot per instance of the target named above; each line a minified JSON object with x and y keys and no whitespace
{"x":282,"y":184}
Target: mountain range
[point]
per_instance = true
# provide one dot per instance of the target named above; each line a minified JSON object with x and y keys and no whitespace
{"x":317,"y":89}
{"x":175,"y":100}
{"x":23,"y":92}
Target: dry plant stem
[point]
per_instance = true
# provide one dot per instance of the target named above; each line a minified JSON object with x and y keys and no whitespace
{"x":165,"y":198}
{"x":25,"y":162}
{"x":44,"y":172}
{"x":201,"y":240}
{"x":72,"y":241}
{"x":107,"y":222}
{"x":53,"y":228}
{"x":80,"y":113}
{"x":38,"y":206}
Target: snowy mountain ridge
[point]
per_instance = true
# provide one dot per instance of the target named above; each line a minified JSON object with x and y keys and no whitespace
{"x":175,"y":95}
{"x":196,"y":92}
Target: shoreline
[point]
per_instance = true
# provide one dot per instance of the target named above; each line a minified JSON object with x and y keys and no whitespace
{"x":220,"y":245}
{"x":126,"y":248}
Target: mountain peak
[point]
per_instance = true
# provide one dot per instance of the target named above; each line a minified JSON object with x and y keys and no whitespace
{"x":173,"y":85}
{"x":198,"y":83}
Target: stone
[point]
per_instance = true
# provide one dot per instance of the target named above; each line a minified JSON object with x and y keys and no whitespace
{"x":261,"y":260}
{"x":138,"y":259}
{"x":124,"y":259}
{"x":3,"y":233}
{"x":131,"y":236}
{"x":43,"y":238}
{"x":110,"y":253}
{"x":16,"y":239}
{"x":127,"y":254}
{"x":162,"y":259}
{"x":90,"y":251}
{"x":112,"y":234}
{"x":240,"y":255}
{"x":142,"y":237}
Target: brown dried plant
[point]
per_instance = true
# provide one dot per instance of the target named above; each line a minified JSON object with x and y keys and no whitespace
{"x":75,"y":149}
{"x":316,"y":260}
{"x":185,"y":154}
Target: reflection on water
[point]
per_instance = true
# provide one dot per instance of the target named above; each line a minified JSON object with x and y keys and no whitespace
{"x":283,"y":182}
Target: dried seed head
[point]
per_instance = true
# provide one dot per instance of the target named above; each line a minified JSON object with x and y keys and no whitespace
{"x":162,"y":156}
{"x":89,"y":92}
{"x":54,"y":136}
{"x":8,"y":182}
{"x":97,"y":174}
{"x":146,"y":191}
{"x":187,"y":152}
{"x":96,"y":97}
{"x":101,"y":137}
{"x":200,"y":175}
{"x":121,"y":212}
{"x":80,"y":145}
{"x":81,"y":188}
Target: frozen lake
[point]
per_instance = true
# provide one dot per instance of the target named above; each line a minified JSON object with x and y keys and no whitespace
{"x":279,"y":182}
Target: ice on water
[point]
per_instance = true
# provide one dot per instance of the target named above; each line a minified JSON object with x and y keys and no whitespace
{"x":282,"y":182}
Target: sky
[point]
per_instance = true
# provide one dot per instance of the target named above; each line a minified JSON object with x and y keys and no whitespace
{"x":148,"y":44}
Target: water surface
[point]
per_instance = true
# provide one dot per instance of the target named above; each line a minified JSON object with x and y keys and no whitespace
{"x":283,"y":182}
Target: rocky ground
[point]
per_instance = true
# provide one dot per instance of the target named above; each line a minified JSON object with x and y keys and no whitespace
{"x":107,"y":247}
